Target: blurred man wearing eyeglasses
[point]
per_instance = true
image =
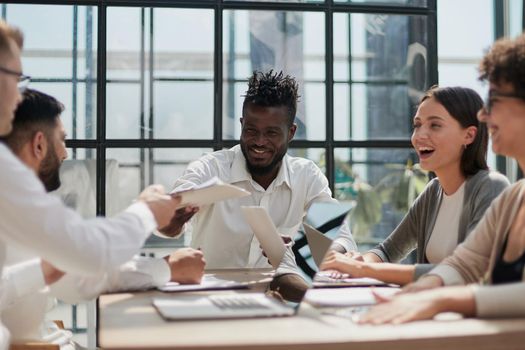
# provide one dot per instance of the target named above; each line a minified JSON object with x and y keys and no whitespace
{"x":40,"y":222}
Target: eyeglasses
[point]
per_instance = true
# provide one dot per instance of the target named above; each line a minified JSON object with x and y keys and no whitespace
{"x":23,"y":80}
{"x":489,"y":100}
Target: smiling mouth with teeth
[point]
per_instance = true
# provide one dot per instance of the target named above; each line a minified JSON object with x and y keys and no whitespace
{"x":426,"y":151}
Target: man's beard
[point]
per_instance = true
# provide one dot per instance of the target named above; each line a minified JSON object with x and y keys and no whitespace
{"x":49,"y":172}
{"x":263,"y":170}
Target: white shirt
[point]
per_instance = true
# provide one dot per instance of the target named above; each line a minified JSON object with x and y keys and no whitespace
{"x":40,"y":223}
{"x":220,"y":229}
{"x":25,"y":310}
{"x":444,"y":237}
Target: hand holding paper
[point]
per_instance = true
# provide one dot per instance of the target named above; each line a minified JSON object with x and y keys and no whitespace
{"x":210,"y":192}
{"x":206,"y":193}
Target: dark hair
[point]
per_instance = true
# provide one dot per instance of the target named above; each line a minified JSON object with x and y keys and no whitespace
{"x":36,"y":112}
{"x":463,"y":105}
{"x":272,"y":89}
{"x":505,"y":62}
{"x":8,"y":33}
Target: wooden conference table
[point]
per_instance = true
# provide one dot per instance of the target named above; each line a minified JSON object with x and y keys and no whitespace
{"x":129,"y":321}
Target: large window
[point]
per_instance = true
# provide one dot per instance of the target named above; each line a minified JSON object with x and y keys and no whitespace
{"x":148,"y":89}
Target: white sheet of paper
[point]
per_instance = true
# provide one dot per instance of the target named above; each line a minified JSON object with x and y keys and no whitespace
{"x":208,"y":282}
{"x":209,"y":192}
{"x":359,"y":296}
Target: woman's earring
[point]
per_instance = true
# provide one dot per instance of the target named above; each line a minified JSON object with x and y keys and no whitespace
{"x":465,"y":146}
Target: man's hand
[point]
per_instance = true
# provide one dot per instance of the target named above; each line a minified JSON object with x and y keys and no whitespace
{"x":162,"y":205}
{"x":186,"y":265}
{"x":51,"y":273}
{"x":287,"y":240}
{"x":178,"y":220}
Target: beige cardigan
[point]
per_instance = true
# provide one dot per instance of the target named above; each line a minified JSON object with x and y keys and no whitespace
{"x":474,"y":259}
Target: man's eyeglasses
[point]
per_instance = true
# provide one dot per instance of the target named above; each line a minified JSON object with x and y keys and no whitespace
{"x":489,"y":100}
{"x":23,"y":80}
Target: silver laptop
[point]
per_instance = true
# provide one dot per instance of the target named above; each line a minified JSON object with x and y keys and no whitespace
{"x":221,"y":306}
{"x":318,"y":243}
{"x":178,"y":307}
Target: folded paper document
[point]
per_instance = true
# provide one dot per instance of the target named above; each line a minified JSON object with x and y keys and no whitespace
{"x":209,"y":192}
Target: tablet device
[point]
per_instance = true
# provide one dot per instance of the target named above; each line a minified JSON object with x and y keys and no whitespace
{"x":266,"y":233}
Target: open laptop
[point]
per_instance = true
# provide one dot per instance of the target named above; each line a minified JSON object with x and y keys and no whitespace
{"x":221,"y":306}
{"x":179,"y":307}
{"x":225,"y":305}
{"x":319,"y":243}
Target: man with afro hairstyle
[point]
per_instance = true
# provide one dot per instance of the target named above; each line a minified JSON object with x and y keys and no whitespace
{"x":286,"y":186}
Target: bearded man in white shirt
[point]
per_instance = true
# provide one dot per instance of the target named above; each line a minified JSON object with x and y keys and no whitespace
{"x":286,"y":186}
{"x":38,"y":221}
{"x":38,"y":139}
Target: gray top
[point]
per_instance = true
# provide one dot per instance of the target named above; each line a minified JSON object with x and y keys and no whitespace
{"x":416,"y":227}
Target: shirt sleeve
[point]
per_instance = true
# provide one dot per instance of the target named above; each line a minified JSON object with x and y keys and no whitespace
{"x":20,"y":280}
{"x":195,"y":174}
{"x":400,"y":242}
{"x":41,"y":223}
{"x":140,"y":273}
{"x":505,"y":300}
{"x":319,"y":191}
{"x":486,"y":192}
{"x":345,"y":238}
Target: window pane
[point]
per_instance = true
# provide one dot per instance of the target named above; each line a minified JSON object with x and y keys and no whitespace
{"x":76,"y":124}
{"x":316,"y":155}
{"x":182,"y":101}
{"x":183,"y":110}
{"x":416,"y":3}
{"x":377,"y":180}
{"x":380,"y":73}
{"x":129,"y":170}
{"x":123,"y":39}
{"x":60,"y":62}
{"x":123,"y":111}
{"x":137,"y":168}
{"x":78,"y":181}
{"x":304,"y":1}
{"x":459,"y":58}
{"x":280,"y":40}
{"x":378,"y":112}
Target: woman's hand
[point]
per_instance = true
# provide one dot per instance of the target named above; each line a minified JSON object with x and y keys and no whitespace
{"x":403,"y":308}
{"x":342,"y":263}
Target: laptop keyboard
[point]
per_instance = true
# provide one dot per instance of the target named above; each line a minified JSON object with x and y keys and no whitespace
{"x":329,"y":277}
{"x":236,"y":302}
